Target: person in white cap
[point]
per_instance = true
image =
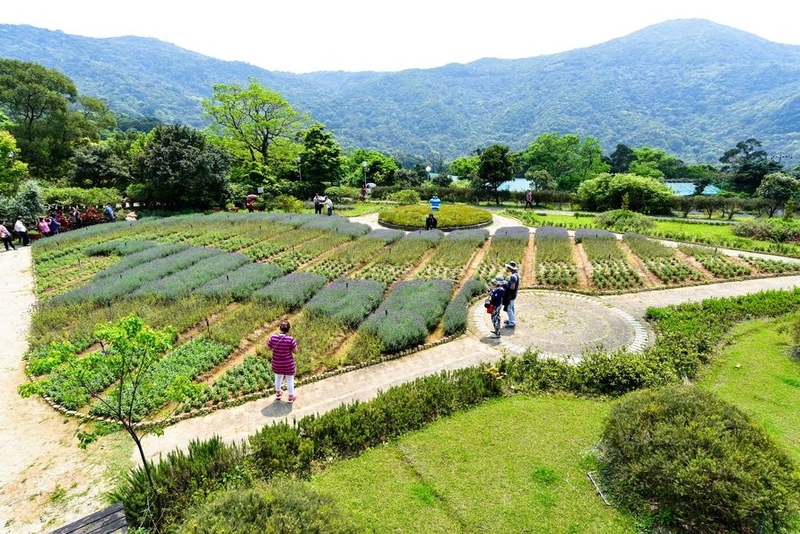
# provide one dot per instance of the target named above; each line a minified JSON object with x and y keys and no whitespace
{"x":511,"y":294}
{"x":496,"y":295}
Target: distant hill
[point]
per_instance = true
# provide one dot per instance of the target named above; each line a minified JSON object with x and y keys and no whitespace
{"x":691,"y":87}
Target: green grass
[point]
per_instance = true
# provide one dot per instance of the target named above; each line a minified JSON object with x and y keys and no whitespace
{"x":756,"y":374}
{"x":511,"y":465}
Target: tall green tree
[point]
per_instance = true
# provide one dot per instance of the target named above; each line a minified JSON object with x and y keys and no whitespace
{"x":12,"y":170}
{"x":321,"y":159}
{"x":495,"y":169}
{"x":621,"y":159}
{"x":466,"y":167}
{"x":746,"y":165}
{"x":180,"y":168}
{"x":36,"y":100}
{"x":568,"y":160}
{"x":254,"y":121}
{"x":776,"y":189}
{"x":100,"y":165}
{"x":380,"y":168}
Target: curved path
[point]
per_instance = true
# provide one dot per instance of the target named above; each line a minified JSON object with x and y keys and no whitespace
{"x":38,"y":447}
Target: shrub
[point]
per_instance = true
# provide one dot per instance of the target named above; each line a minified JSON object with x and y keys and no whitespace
{"x":290,"y":507}
{"x":286,"y":203}
{"x":346,"y":301}
{"x":615,"y":191}
{"x":624,"y":221}
{"x":341,"y":193}
{"x":697,"y":463}
{"x":406,"y":197}
{"x":455,"y":315}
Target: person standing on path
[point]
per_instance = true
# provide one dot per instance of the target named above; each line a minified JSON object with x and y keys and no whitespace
{"x":511,"y":294}
{"x":528,"y":199}
{"x":5,"y":235}
{"x":283,"y":347}
{"x":318,"y":201}
{"x":496,"y":295}
{"x":22,"y":232}
{"x":329,"y":205}
{"x":44,"y":228}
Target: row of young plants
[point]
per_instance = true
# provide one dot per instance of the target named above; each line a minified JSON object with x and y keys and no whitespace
{"x":610,"y":268}
{"x":717,"y":263}
{"x":393,"y":261}
{"x":660,"y":259}
{"x":410,"y":312}
{"x":508,"y":244}
{"x":341,"y":261}
{"x":687,"y":337}
{"x":555,"y":265}
{"x":452,"y":255}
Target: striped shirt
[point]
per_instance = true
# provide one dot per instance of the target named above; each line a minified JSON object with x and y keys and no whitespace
{"x":282,"y":347}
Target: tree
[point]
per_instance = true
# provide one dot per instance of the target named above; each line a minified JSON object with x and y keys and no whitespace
{"x":36,"y":100}
{"x":380,"y":168}
{"x":181,"y":168}
{"x":254,"y":120}
{"x":746,"y":165}
{"x":494,"y":169}
{"x":99,"y":165}
{"x":619,"y":161}
{"x":776,"y":189}
{"x":540,"y":180}
{"x":568,"y":160}
{"x":612,"y":191}
{"x":466,"y":168}
{"x":12,"y":170}
{"x":321,"y":159}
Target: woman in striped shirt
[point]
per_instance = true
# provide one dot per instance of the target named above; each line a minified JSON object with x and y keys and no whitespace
{"x":283,"y":346}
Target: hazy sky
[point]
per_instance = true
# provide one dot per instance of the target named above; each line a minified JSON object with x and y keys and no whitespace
{"x":355,"y":35}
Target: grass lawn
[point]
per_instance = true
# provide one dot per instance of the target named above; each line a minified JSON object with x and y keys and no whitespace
{"x":756,"y":374}
{"x":512,"y":465}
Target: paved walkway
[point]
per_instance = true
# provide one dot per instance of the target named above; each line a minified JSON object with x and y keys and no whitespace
{"x":557,"y":324}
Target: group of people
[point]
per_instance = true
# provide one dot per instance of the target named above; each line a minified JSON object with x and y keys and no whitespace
{"x":320,"y":201}
{"x":502,"y":295}
{"x":8,"y":238}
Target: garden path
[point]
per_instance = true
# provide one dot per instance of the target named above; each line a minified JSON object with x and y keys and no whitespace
{"x":46,"y":480}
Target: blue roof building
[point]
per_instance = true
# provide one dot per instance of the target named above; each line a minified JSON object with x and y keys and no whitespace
{"x":686,"y":189}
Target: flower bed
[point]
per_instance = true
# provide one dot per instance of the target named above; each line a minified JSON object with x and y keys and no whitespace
{"x":185,"y":280}
{"x":395,"y":260}
{"x":452,"y":255}
{"x":554,"y":263}
{"x":412,"y":309}
{"x":346,"y":301}
{"x":353,"y":254}
{"x":292,"y":290}
{"x":507,"y":244}
{"x":448,"y":216}
{"x":716,"y":262}
{"x":240,"y":283}
{"x":610,"y":269}
{"x":660,"y":260}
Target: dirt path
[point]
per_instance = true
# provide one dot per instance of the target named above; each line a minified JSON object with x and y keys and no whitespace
{"x":47,"y":481}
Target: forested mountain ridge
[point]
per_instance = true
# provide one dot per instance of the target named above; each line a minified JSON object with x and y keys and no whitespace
{"x":691,"y":87}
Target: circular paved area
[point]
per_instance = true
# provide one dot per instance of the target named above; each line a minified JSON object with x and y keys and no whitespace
{"x":564,"y":325}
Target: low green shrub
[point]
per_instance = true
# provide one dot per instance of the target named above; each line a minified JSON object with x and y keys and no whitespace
{"x":693,"y":462}
{"x":624,"y":221}
{"x":288,"y":507}
{"x":279,"y":448}
{"x":405,"y":197}
{"x":455,"y":315}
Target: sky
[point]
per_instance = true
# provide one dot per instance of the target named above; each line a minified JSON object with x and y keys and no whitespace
{"x":390,"y":35}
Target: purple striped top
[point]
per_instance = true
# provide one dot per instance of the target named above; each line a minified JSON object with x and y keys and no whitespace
{"x":282,"y":347}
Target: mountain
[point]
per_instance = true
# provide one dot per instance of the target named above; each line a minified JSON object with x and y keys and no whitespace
{"x":691,"y":87}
